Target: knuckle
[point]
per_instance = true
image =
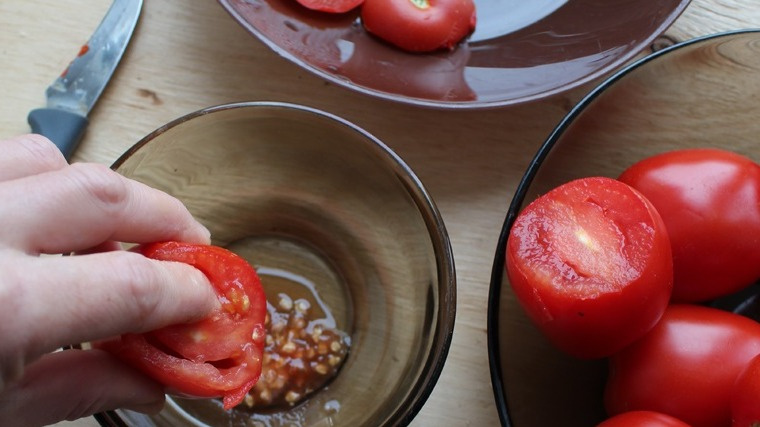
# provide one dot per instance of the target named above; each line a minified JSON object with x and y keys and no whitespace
{"x":103,"y":186}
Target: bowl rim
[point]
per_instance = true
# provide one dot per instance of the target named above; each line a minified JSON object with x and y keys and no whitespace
{"x":443,"y":332}
{"x":456,"y":105}
{"x":497,"y":272}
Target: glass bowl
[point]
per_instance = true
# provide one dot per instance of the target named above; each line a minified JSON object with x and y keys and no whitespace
{"x":324,"y":210}
{"x":700,"y":93}
{"x":520,"y":51}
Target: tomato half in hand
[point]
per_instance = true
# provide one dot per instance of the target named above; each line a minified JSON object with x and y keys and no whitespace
{"x":745,"y":399}
{"x":331,"y":6}
{"x":590,"y":263}
{"x":219,"y":356}
{"x":420,"y":25}
{"x":710,"y":202}
{"x":685,"y":367}
{"x":642,"y":419}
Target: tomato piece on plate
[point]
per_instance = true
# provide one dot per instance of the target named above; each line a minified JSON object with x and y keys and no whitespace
{"x":686,"y":366}
{"x":710,"y":202}
{"x":219,"y":356}
{"x":590,"y":263}
{"x":331,"y":6}
{"x":420,"y":25}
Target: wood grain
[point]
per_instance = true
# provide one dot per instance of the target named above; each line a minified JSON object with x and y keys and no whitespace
{"x":188,"y":55}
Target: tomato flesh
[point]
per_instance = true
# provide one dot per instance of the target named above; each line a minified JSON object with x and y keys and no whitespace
{"x":420,"y":25}
{"x":219,"y":356}
{"x":590,"y":263}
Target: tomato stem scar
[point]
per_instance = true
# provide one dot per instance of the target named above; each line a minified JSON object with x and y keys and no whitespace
{"x":422,"y":4}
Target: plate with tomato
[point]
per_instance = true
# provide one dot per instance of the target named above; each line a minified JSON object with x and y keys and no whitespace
{"x":625,"y":278}
{"x":457,"y":53}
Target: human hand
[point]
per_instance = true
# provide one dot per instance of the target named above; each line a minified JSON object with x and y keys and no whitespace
{"x":51,"y":207}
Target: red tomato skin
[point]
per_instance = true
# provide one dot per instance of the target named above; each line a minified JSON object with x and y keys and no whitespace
{"x":331,"y":6}
{"x":442,"y":25}
{"x":685,"y":367}
{"x":710,"y":202}
{"x":226,"y":360}
{"x":590,"y":303}
{"x":642,"y":419}
{"x":745,"y":397}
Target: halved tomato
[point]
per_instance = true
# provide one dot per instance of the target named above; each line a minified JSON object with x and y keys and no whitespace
{"x":219,"y":356}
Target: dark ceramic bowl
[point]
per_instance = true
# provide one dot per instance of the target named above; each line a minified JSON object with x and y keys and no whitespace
{"x":520,"y":50}
{"x":701,"y":93}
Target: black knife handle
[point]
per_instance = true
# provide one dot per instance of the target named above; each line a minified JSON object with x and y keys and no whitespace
{"x":65,"y":129}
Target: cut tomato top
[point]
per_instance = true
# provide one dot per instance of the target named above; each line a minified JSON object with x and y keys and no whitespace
{"x":590,"y":263}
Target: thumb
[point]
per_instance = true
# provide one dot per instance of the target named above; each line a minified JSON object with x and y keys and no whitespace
{"x":72,"y":384}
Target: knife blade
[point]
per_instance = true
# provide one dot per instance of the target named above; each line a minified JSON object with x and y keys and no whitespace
{"x":72,"y":95}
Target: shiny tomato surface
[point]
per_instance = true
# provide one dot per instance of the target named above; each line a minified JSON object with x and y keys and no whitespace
{"x":709,"y":200}
{"x":745,"y":398}
{"x":420,"y":25}
{"x":590,"y":263}
{"x":685,"y":367}
{"x":219,"y":356}
{"x":642,"y":419}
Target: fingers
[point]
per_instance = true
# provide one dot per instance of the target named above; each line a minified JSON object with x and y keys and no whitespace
{"x":83,"y":205}
{"x":28,"y":155}
{"x":90,"y":297}
{"x":72,"y":384}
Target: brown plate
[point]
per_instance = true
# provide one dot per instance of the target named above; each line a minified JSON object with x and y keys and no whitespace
{"x":520,"y":51}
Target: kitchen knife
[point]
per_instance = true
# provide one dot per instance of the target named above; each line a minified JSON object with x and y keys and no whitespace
{"x":73,"y":94}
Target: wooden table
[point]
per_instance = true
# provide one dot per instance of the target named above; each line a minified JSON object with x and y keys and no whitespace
{"x":186,"y":55}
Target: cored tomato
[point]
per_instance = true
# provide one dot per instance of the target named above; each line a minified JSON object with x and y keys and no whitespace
{"x":745,"y":398}
{"x":219,"y":356}
{"x":710,"y":202}
{"x":685,"y":367}
{"x":590,"y":263}
{"x":420,"y":25}
{"x":642,"y":419}
{"x":331,"y":6}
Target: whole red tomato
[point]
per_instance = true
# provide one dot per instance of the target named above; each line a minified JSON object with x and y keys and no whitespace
{"x":642,"y":419}
{"x":419,"y":25}
{"x":710,"y":202}
{"x":219,"y":356}
{"x":745,"y":398}
{"x":590,"y":263}
{"x":686,"y":366}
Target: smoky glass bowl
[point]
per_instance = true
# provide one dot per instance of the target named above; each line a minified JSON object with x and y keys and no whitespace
{"x":308,"y":197}
{"x":703,"y":92}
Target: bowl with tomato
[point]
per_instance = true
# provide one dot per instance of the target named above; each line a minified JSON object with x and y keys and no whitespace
{"x":624,"y":281}
{"x":457,"y":54}
{"x":324,"y":241}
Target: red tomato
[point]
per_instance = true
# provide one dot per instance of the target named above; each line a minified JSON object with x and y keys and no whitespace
{"x":420,"y":25}
{"x":710,"y":202}
{"x":745,"y":399}
{"x":642,"y":419}
{"x":590,"y":263}
{"x":331,"y":6}
{"x":217,"y":356}
{"x":685,"y":367}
